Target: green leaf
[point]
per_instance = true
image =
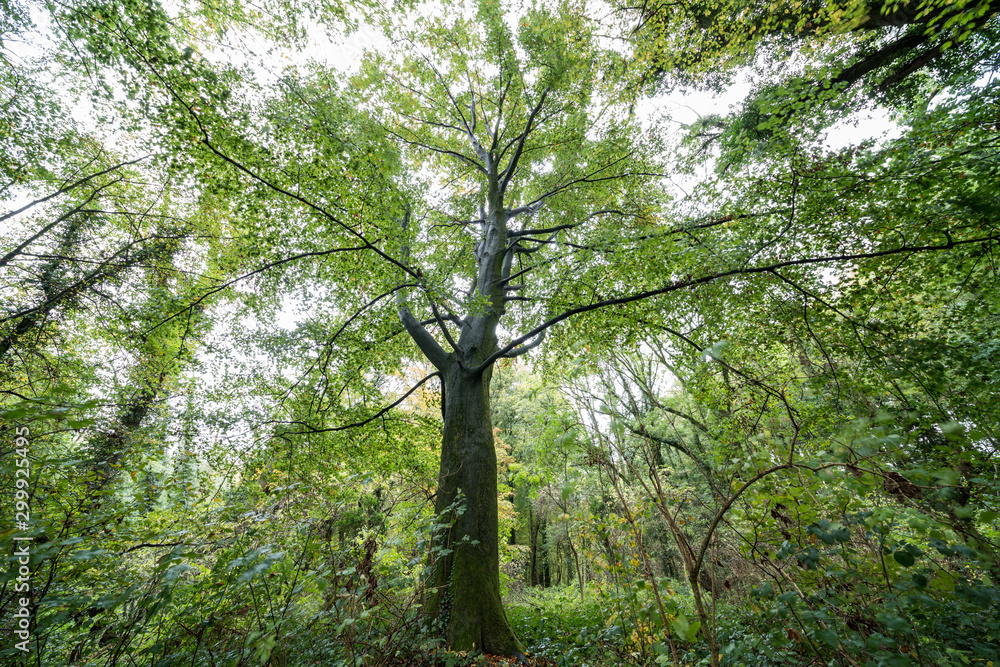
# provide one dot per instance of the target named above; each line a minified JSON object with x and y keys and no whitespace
{"x":893,"y":622}
{"x":828,"y":636}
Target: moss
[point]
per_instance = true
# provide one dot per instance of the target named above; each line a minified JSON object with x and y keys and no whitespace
{"x":467,"y":599}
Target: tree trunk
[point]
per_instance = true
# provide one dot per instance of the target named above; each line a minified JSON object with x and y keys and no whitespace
{"x":546,"y":568}
{"x":466,"y":583}
{"x":533,"y":527}
{"x":465,"y":580}
{"x":576,"y":561}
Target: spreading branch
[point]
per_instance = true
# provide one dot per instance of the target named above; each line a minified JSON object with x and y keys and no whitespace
{"x":508,"y":173}
{"x":749,"y":270}
{"x":67,"y":188}
{"x":262,"y":269}
{"x":364,"y":422}
{"x":424,"y":340}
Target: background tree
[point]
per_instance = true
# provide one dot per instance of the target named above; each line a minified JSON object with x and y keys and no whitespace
{"x":847,"y":51}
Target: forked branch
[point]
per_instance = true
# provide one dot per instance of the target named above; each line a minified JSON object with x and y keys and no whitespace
{"x":424,"y":340}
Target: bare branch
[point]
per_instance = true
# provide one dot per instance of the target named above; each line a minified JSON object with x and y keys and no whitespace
{"x":330,"y":341}
{"x":269,"y":265}
{"x":106,"y":269}
{"x":547,"y":230}
{"x":441,"y":151}
{"x":496,"y":128}
{"x":76,"y":209}
{"x":430,"y":347}
{"x":424,"y":340}
{"x":207,"y":142}
{"x":69,"y":187}
{"x":441,"y":323}
{"x":508,"y":173}
{"x":517,"y":352}
{"x":369,"y":420}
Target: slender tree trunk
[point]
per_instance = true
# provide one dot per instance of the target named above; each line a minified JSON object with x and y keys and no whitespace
{"x":466,"y":581}
{"x":576,"y":562}
{"x":533,"y":528}
{"x":546,"y":566}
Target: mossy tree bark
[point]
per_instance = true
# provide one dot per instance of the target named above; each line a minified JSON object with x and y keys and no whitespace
{"x":465,"y":593}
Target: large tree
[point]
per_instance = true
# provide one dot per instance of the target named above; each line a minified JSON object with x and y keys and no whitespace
{"x":543,"y":175}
